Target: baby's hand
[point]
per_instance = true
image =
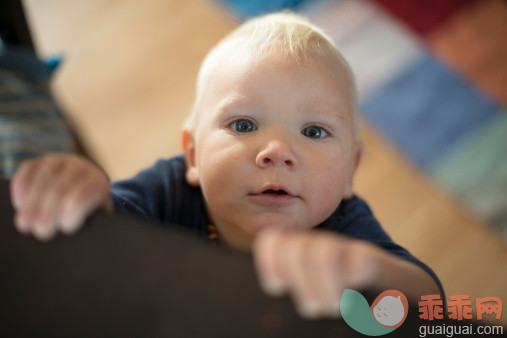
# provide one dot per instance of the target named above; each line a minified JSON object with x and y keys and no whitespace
{"x":314,"y":267}
{"x":57,"y":192}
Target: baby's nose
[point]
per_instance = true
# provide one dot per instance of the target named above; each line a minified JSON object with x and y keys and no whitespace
{"x":276,"y":153}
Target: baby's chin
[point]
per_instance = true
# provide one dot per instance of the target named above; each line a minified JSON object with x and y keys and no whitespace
{"x":260,"y":223}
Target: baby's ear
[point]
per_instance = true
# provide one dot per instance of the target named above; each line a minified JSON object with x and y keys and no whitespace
{"x":358,"y":150}
{"x":192,"y":173}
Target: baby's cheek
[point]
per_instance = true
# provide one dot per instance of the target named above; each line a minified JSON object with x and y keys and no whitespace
{"x":321,"y":210}
{"x":219,"y":171}
{"x":329,"y":196}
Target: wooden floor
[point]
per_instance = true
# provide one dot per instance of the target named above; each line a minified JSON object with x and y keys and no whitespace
{"x":128,"y":82}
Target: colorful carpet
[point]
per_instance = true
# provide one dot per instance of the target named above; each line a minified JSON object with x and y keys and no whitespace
{"x":432,"y":77}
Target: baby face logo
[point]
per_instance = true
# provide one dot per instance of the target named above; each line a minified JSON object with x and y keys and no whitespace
{"x":390,"y":308}
{"x":386,"y":314}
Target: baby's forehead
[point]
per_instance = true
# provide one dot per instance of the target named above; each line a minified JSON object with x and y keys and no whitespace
{"x":233,"y":59}
{"x":265,"y":67}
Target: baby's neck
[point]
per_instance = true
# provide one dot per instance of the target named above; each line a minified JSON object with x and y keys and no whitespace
{"x":233,"y":237}
{"x":230,"y":235}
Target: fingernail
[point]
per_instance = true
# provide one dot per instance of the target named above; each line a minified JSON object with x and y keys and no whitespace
{"x":43,"y":233}
{"x":273,"y":287}
{"x":68,"y":222}
{"x":21,"y":224}
{"x":16,"y":202}
{"x":40,"y":229}
{"x":309,"y":309}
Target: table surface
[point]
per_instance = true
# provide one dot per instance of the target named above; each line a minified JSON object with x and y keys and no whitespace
{"x":121,"y":276}
{"x":125,"y":276}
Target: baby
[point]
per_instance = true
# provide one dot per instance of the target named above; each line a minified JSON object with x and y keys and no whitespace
{"x":270,"y":151}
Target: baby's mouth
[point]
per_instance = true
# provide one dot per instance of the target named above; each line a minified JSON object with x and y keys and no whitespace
{"x":275,"y":192}
{"x":274,"y":195}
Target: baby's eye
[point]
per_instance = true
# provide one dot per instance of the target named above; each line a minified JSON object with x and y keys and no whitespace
{"x":314,"y":132}
{"x":243,"y":126}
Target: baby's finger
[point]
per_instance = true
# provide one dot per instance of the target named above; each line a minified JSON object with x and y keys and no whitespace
{"x":267,"y":262}
{"x":47,"y":213}
{"x":20,"y":223}
{"x":43,"y":178}
{"x":346,"y":265}
{"x":313,"y":260}
{"x":329,"y":255}
{"x":90,"y":193}
{"x":44,"y":233}
{"x":299,"y":260}
{"x":362,"y":265}
{"x":20,"y":182}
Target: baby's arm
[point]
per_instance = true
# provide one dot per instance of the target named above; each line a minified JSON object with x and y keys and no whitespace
{"x":57,"y":192}
{"x":316,"y":266}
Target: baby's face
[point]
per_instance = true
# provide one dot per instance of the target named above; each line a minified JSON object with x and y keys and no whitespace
{"x":274,"y":145}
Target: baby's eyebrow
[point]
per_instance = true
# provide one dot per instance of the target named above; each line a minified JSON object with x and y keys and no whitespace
{"x":234,"y":102}
{"x":240,"y":102}
{"x":325,"y":112}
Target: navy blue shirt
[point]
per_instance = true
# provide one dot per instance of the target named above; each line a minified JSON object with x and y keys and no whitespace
{"x":162,"y":193}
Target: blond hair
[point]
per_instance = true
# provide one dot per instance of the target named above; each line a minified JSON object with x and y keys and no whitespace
{"x":284,"y":32}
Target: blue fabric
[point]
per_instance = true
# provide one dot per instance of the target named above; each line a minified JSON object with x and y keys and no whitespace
{"x":30,"y":122}
{"x":426,"y":109}
{"x":475,"y":170}
{"x":53,"y":62}
{"x":250,"y":8}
